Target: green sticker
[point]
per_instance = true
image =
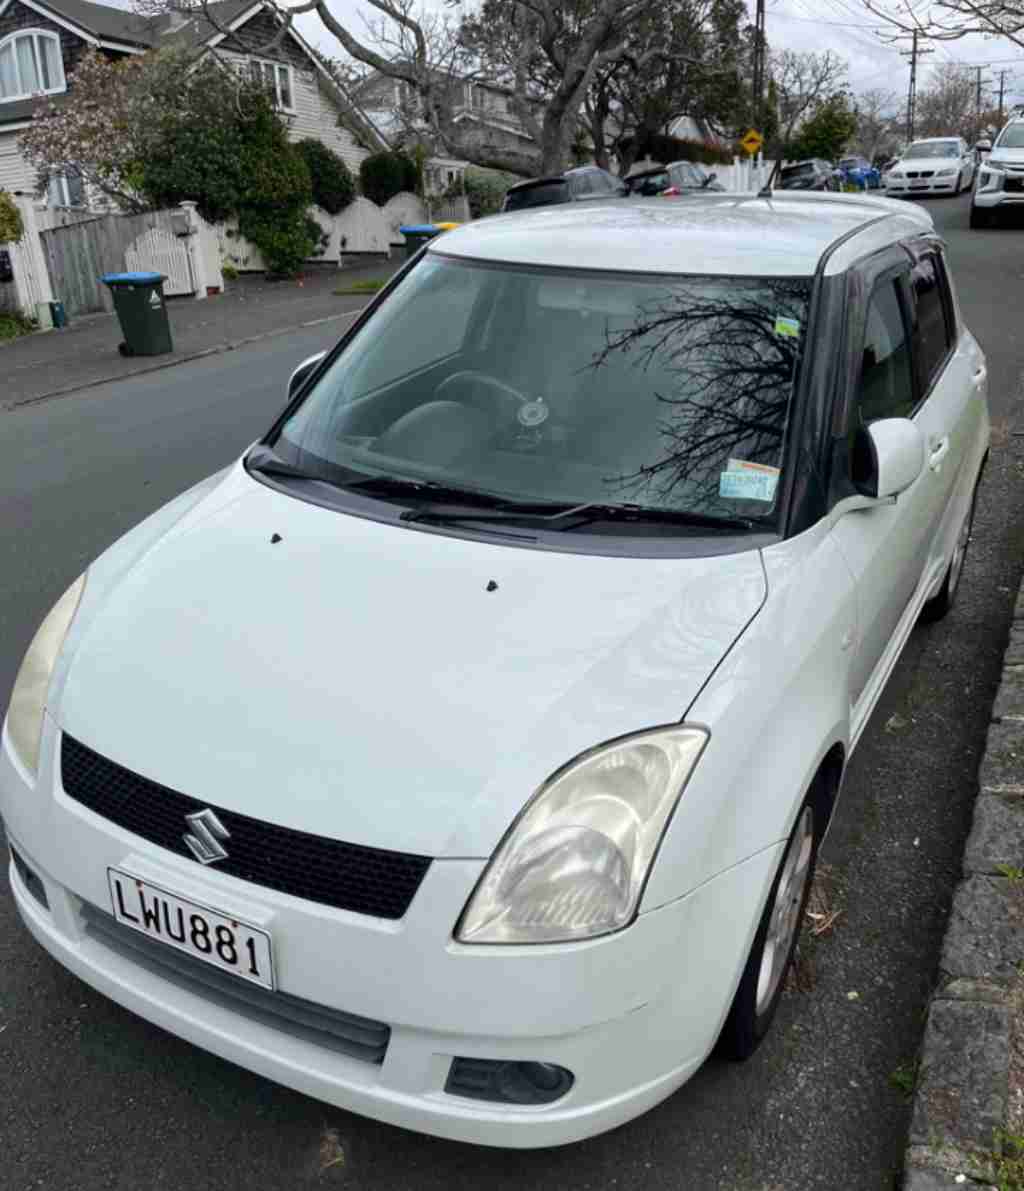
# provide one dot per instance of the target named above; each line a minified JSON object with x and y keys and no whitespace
{"x":790,"y":327}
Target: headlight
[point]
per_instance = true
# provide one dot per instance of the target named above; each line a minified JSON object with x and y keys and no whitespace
{"x":896,"y":175}
{"x":28,"y":699}
{"x":946,"y":173}
{"x":573,"y":865}
{"x":989,"y":179}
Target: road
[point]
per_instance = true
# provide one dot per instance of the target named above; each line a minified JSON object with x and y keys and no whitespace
{"x":95,"y":1099}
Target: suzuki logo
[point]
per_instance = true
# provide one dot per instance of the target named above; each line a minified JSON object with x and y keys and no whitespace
{"x":203,"y":839}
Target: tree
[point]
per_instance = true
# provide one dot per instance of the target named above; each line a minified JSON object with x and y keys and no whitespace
{"x":877,"y":124}
{"x":804,"y":81}
{"x":682,"y":58}
{"x":948,"y":20}
{"x":947,"y":106}
{"x":334,"y":188}
{"x":827,"y":132}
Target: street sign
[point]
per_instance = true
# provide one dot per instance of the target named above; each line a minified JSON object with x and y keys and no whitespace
{"x":752,"y":142}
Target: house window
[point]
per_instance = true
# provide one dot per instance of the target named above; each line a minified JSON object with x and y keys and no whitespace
{"x":278,"y":81}
{"x":65,"y":190}
{"x":30,"y":64}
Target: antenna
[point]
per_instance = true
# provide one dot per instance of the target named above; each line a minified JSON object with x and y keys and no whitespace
{"x":766,"y":189}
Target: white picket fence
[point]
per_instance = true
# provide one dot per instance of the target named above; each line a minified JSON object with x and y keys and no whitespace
{"x":744,"y":175}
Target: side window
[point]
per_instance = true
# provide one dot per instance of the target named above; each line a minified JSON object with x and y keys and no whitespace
{"x":932,"y":333}
{"x":886,"y":387}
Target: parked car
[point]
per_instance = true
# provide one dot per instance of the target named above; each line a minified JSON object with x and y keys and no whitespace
{"x":936,"y":165}
{"x":460,"y":754}
{"x":680,"y":177}
{"x":860,"y":172}
{"x":1000,"y":177}
{"x":584,"y":182}
{"x":813,"y":174}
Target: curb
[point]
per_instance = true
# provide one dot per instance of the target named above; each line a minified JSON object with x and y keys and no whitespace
{"x":216,"y":350}
{"x":962,"y":1098}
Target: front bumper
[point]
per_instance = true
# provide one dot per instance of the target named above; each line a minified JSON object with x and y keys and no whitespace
{"x":991,"y":199}
{"x":631,"y":1015}
{"x":904,"y":187}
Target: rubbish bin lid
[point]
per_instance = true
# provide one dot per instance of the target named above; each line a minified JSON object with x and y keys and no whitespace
{"x":141,"y":278}
{"x":446,"y":227}
{"x":423,"y":229}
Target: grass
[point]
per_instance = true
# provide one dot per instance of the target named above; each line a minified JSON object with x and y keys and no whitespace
{"x":904,"y":1079}
{"x":1006,"y":1169}
{"x":13,"y":325}
{"x":366,"y":286}
{"x":1010,"y":871}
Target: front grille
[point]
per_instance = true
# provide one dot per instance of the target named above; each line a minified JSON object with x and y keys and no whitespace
{"x":357,"y":1037}
{"x":1013,"y":184}
{"x":328,"y":871}
{"x":920,"y":173}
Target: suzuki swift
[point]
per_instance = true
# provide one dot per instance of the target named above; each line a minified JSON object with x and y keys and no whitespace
{"x":460,"y":755}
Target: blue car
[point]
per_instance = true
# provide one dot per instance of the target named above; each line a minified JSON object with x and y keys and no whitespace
{"x":860,"y":172}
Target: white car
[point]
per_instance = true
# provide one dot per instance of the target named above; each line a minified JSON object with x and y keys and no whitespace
{"x":936,"y":165}
{"x":1000,"y":177}
{"x":460,"y":755}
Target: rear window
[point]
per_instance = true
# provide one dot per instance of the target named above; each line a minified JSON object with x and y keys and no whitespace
{"x":650,"y":183}
{"x":933,"y":332}
{"x":799,"y":171}
{"x":540,"y":195}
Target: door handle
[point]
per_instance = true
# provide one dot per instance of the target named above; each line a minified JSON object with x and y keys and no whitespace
{"x":939,"y":451}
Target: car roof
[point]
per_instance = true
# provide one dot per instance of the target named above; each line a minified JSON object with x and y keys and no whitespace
{"x":579,"y":169}
{"x":785,"y":235}
{"x":925,"y":140}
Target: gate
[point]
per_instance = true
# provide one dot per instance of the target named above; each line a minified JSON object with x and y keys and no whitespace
{"x":78,"y":256}
{"x":159,"y":250}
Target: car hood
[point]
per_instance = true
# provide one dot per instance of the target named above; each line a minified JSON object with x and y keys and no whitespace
{"x":927,"y":163}
{"x":380,"y":684}
{"x":1005,"y":157}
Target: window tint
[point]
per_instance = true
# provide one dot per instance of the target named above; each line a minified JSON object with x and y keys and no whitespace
{"x":537,"y":196}
{"x":886,"y":388}
{"x":931,"y":333}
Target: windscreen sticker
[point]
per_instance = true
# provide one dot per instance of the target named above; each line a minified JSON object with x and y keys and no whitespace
{"x":748,"y":481}
{"x":787,"y":327}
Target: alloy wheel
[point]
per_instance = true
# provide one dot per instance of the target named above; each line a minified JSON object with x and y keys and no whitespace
{"x":785,"y":915}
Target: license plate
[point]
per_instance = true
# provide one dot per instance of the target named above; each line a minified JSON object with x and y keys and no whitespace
{"x":919,"y":185}
{"x":216,"y":938}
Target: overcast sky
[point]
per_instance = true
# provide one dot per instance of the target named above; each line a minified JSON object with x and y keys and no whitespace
{"x":844,"y":26}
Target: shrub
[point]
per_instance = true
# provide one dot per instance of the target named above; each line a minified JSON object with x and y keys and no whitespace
{"x":13,"y":324}
{"x":11,"y":228}
{"x":333,"y":185}
{"x":383,"y":175}
{"x":660,"y":147}
{"x":485,"y":190}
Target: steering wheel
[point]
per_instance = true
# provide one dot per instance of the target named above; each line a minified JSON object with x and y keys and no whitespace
{"x":483,"y":392}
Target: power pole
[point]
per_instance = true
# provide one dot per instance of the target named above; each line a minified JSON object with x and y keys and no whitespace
{"x":759,"y":56}
{"x":913,"y":55}
{"x":1002,"y":83}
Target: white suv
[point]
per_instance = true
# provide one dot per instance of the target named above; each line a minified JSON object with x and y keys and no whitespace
{"x":1001,"y":176}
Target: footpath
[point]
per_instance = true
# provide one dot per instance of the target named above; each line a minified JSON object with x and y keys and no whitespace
{"x":967,"y":1127}
{"x":53,"y":363}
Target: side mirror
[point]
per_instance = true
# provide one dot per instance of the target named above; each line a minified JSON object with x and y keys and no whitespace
{"x":298,"y":377}
{"x":887,"y":458}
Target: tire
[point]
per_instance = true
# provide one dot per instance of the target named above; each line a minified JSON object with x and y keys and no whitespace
{"x":958,"y":189}
{"x":940,"y":604}
{"x":764,"y":977}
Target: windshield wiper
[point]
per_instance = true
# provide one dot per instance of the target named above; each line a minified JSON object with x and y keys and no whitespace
{"x":265,"y":462}
{"x":584,"y":514}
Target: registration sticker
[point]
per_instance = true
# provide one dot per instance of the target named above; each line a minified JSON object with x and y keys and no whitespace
{"x":743,"y":480}
{"x":789,"y":328}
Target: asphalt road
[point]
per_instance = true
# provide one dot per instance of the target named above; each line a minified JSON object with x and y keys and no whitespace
{"x":94,"y":1099}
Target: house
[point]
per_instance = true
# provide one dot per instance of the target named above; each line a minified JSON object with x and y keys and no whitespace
{"x":41,"y":42}
{"x":391,"y":104}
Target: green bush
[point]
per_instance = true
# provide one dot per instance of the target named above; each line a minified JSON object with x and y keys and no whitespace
{"x":383,"y":175}
{"x":660,"y":147}
{"x":11,"y":227}
{"x":13,"y":324}
{"x":333,"y":185}
{"x":485,"y":190}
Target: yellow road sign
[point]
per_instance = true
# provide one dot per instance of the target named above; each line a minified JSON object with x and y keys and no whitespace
{"x":752,"y":142}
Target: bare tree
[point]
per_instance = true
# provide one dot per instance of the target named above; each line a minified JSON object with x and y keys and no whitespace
{"x":948,"y":20}
{"x":947,"y":106}
{"x":803,"y":81}
{"x":877,"y":121}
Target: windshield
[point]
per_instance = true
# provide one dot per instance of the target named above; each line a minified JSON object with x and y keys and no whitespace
{"x":851,"y":163}
{"x":549,"y":386}
{"x":647,"y":184}
{"x":540,"y":195}
{"x":933,"y":149}
{"x":1012,"y":137}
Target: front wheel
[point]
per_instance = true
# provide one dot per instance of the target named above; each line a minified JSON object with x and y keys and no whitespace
{"x":761,"y":985}
{"x":959,"y":185}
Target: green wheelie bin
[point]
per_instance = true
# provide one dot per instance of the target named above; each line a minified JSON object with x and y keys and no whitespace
{"x":416,"y":235}
{"x":142,"y":312}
